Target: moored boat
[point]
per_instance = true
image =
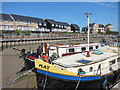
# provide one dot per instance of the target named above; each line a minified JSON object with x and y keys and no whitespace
{"x":101,"y":70}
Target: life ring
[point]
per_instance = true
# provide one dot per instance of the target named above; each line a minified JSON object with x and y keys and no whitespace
{"x":45,"y":57}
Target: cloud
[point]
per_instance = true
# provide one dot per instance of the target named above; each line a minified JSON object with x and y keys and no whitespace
{"x":106,"y":5}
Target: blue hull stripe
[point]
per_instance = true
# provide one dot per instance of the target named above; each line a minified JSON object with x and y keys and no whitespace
{"x":69,"y":77}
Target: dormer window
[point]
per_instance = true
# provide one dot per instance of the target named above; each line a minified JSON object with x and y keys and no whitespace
{"x":65,"y":26}
{"x":62,"y":26}
{"x":52,"y":24}
{"x":40,"y":24}
{"x":44,"y":24}
{"x":56,"y":25}
{"x":59,"y":26}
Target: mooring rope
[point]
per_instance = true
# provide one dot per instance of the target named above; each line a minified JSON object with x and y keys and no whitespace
{"x":78,"y":83}
{"x":115,"y":82}
{"x":45,"y":80}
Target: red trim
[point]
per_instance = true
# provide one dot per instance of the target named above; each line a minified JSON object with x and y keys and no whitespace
{"x":31,"y":57}
{"x":76,"y":46}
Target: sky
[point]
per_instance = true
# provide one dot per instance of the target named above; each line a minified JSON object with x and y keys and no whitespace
{"x":70,"y":12}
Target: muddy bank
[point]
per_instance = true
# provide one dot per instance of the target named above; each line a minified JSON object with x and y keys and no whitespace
{"x":11,"y":64}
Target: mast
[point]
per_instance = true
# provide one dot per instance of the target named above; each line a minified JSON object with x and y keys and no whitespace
{"x":88,"y":14}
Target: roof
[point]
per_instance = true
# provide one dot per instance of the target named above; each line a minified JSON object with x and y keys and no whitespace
{"x":27,"y":18}
{"x":101,"y":25}
{"x":92,"y":24}
{"x":5,"y":16}
{"x":57,"y":22}
{"x":75,"y":26}
{"x":108,"y":24}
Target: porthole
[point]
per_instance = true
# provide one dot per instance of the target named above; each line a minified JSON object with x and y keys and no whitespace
{"x":91,"y":69}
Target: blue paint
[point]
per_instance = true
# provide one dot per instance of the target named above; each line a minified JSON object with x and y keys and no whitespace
{"x":68,"y":77}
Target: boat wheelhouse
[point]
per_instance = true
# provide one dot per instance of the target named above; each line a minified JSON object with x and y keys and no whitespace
{"x":73,"y":48}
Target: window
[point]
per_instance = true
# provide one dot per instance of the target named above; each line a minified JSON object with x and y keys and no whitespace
{"x":65,"y":26}
{"x":52,"y":24}
{"x":29,"y":22}
{"x":118,"y":59}
{"x":25,"y":22}
{"x":40,"y":24}
{"x":56,"y":25}
{"x":17,"y":21}
{"x":71,"y":50}
{"x":97,"y":47}
{"x":91,"y":48}
{"x":111,"y":62}
{"x":44,"y":24}
{"x":83,"y":48}
{"x":10,"y":21}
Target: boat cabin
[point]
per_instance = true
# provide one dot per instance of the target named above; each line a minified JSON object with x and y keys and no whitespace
{"x":64,"y":50}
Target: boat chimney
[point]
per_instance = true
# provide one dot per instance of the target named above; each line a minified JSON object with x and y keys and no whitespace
{"x":45,"y":46}
{"x":88,"y":53}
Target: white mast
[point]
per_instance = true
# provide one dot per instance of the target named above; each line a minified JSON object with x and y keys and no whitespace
{"x":88,"y":32}
{"x":88,"y":27}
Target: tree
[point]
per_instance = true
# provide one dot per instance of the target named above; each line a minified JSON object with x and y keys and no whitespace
{"x":100,"y":33}
{"x":108,"y":31}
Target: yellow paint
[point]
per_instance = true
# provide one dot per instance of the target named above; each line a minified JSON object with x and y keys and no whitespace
{"x":53,"y":69}
{"x":40,"y":64}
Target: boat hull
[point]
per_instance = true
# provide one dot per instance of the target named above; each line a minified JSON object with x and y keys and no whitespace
{"x":57,"y":83}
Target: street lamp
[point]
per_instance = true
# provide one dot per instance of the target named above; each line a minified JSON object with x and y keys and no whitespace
{"x":88,"y":14}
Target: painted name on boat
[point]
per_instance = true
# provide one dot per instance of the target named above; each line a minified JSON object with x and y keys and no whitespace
{"x":44,"y":66}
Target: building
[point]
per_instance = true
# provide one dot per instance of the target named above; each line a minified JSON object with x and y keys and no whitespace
{"x":109,"y":26}
{"x":6,"y":22}
{"x":84,"y":29}
{"x":93,"y":28}
{"x":19,"y":22}
{"x":56,"y":26}
{"x":102,"y":28}
{"x":75,"y":28}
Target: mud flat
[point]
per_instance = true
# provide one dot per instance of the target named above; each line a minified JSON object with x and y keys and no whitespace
{"x":11,"y":64}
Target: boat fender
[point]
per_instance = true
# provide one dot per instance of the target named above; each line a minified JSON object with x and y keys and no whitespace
{"x":80,"y":71}
{"x":45,"y":57}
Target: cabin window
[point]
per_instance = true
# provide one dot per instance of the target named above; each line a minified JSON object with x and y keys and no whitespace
{"x":111,"y":62}
{"x":118,"y":59}
{"x":91,"y":48}
{"x":83,"y":48}
{"x":97,"y":47}
{"x":71,"y":50}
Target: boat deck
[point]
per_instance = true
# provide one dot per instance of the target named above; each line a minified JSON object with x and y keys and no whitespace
{"x":81,"y":59}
